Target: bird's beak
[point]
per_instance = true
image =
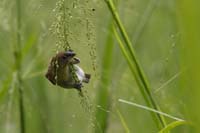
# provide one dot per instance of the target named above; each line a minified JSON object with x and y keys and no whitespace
{"x":75,"y":60}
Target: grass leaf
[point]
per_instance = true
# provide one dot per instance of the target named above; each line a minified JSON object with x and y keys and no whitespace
{"x":103,"y":93}
{"x":150,"y":109}
{"x":173,"y":125}
{"x":123,"y":122}
{"x":139,"y":74}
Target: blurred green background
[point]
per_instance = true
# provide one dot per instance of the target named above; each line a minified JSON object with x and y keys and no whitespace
{"x":164,"y":34}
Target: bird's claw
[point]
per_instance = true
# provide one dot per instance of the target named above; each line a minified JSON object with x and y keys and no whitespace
{"x":78,"y":86}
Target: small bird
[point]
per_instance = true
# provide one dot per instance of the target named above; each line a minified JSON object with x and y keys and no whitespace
{"x":61,"y":69}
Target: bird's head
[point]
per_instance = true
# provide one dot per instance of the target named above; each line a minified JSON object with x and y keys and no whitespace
{"x":64,"y":58}
{"x":59,"y":63}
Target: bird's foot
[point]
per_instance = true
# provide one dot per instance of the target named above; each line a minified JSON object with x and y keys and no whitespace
{"x":78,"y":85}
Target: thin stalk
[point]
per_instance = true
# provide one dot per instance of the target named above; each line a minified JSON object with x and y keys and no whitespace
{"x":143,"y":82}
{"x":127,"y":130}
{"x":133,"y":70}
{"x":173,"y":125}
{"x":17,"y":56}
{"x":129,"y":61}
{"x":150,"y":109}
{"x":65,"y":24}
{"x":103,"y":97}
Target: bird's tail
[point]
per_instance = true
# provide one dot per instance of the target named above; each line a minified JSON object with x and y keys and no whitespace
{"x":87,"y":78}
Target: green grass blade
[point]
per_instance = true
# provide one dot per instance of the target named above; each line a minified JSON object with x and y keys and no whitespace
{"x":103,"y":93}
{"x":173,"y":125}
{"x":129,"y":61}
{"x":123,"y":122}
{"x":150,"y":109}
{"x":144,"y":19}
{"x":144,"y":84}
{"x":188,"y":17}
{"x":17,"y":56}
{"x":168,"y":82}
{"x":5,"y":86}
{"x":132,"y":68}
{"x":28,"y":45}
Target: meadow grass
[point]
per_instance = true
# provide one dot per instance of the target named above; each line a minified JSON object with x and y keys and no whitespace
{"x":104,"y":95}
{"x":133,"y":61}
{"x":130,"y":50}
{"x":18,"y":60}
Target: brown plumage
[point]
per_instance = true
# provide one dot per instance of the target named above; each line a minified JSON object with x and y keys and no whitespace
{"x":60,"y":73}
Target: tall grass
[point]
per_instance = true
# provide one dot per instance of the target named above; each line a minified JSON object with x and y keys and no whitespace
{"x":29,"y":103}
{"x":188,"y":20}
{"x":17,"y":56}
{"x":134,"y":65}
{"x":103,"y":99}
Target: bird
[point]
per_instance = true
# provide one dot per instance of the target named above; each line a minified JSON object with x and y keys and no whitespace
{"x":62,"y":68}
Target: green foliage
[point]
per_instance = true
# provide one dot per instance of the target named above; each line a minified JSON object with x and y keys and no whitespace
{"x":150,"y":47}
{"x":103,"y":96}
{"x":123,"y":122}
{"x":188,"y":20}
{"x":172,"y":125}
{"x":134,"y":65}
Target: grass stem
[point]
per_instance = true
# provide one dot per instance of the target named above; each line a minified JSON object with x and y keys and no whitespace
{"x":17,"y":56}
{"x":136,"y":67}
{"x":103,"y":97}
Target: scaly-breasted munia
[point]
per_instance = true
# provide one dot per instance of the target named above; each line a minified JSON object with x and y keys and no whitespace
{"x":60,"y":72}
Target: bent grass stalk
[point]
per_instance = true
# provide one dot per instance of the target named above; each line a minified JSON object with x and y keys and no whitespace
{"x":167,"y":128}
{"x":134,"y":65}
{"x":173,"y":125}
